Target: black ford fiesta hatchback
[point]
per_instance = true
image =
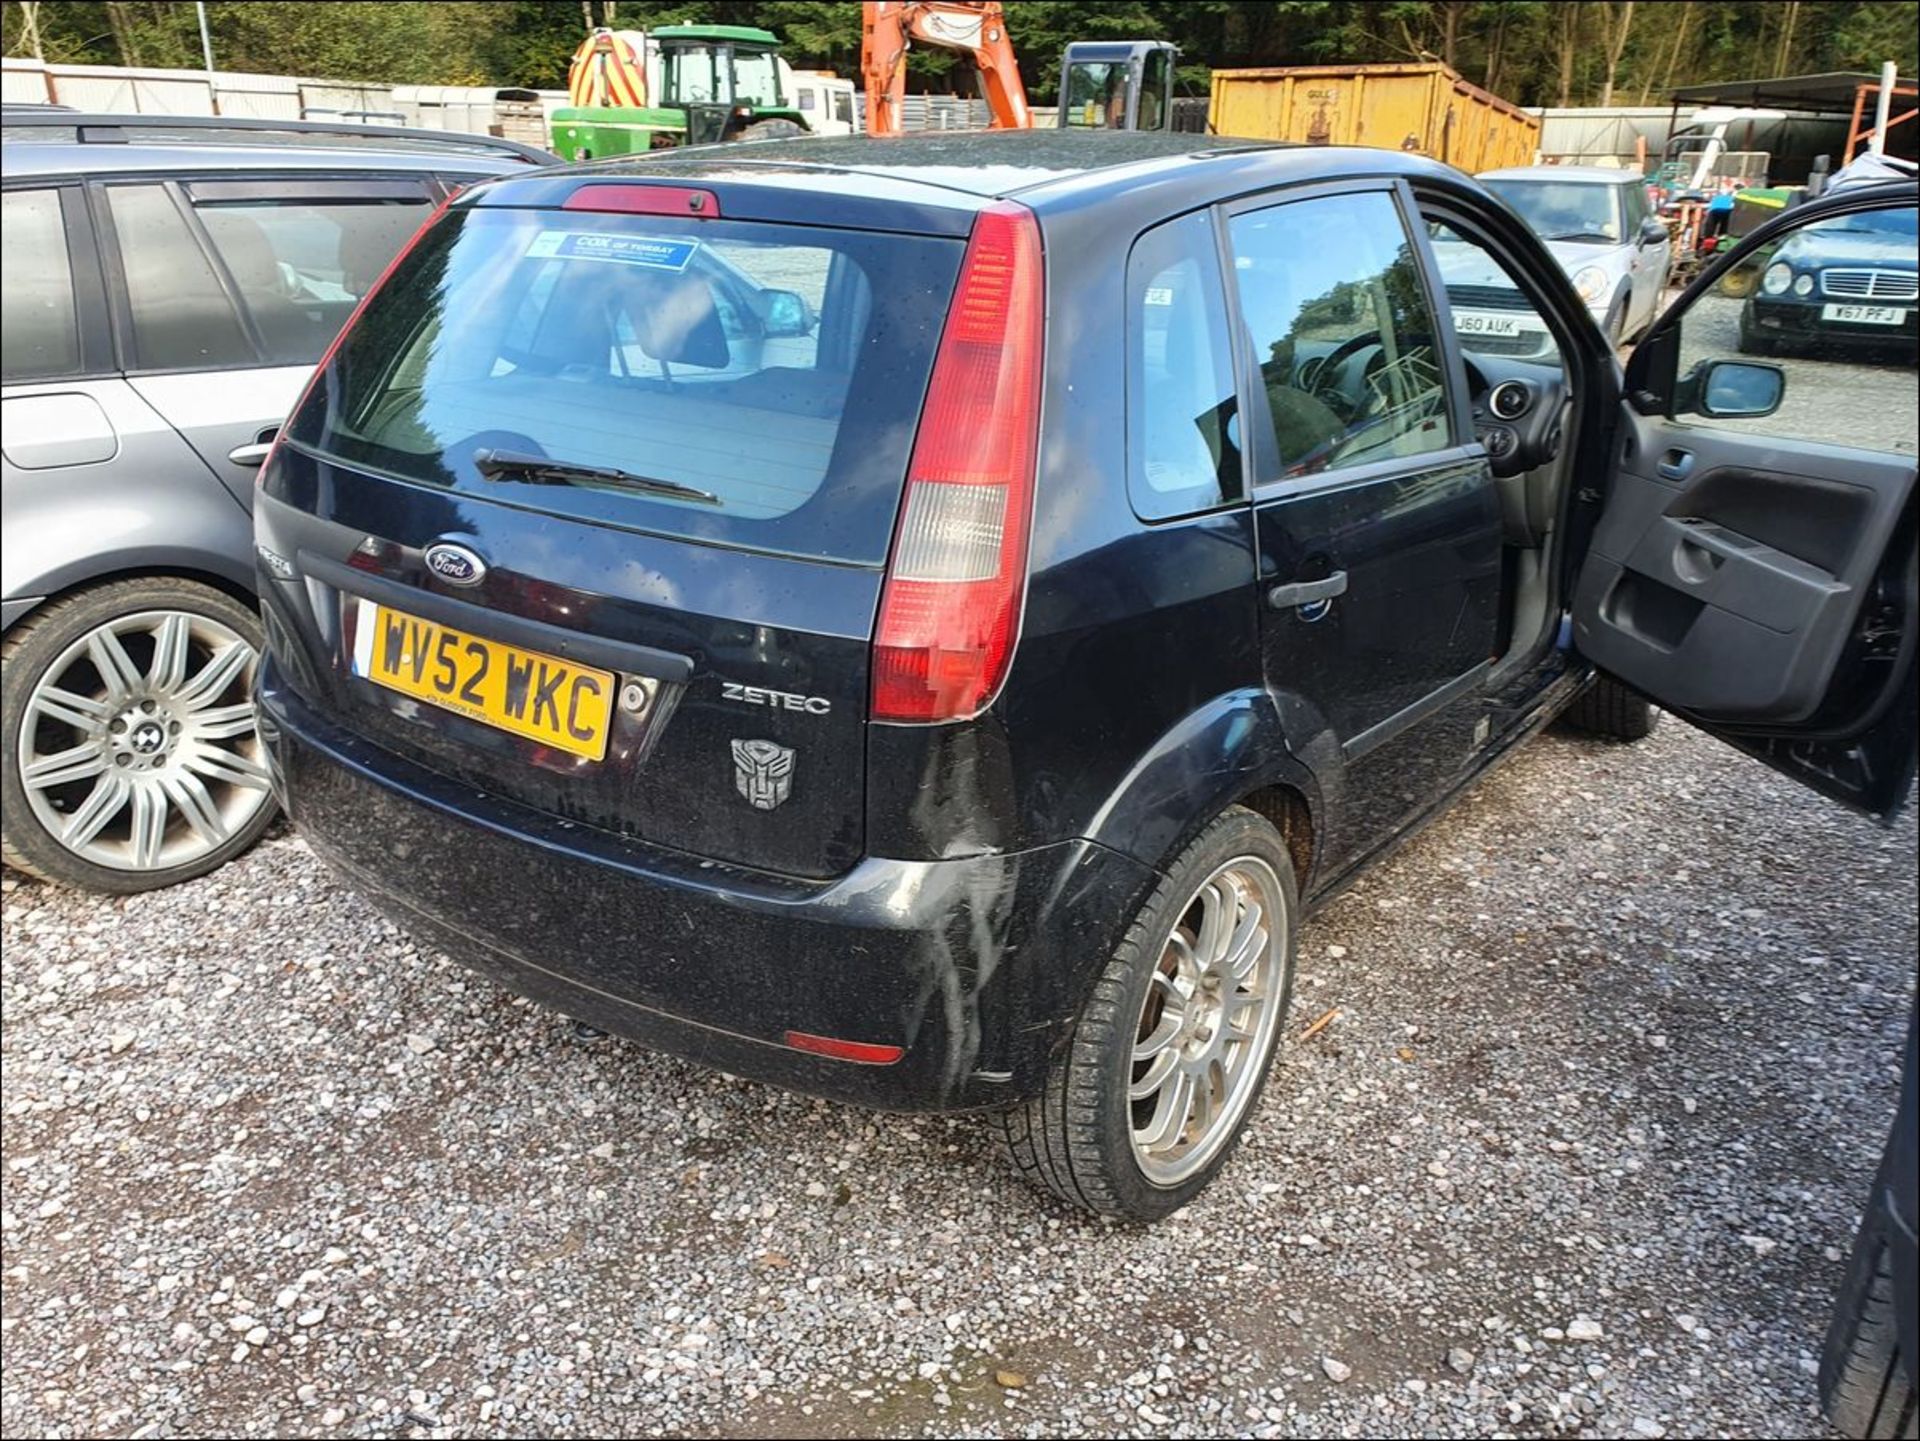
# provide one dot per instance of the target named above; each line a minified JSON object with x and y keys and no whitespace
{"x":916,"y":621}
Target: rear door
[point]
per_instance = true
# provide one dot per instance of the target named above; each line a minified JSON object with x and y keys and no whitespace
{"x":90,"y":468}
{"x":1753,"y":567}
{"x":1377,"y":518}
{"x":232,"y":288}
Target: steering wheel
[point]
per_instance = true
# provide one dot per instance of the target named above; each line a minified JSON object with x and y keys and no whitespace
{"x":1330,"y":394}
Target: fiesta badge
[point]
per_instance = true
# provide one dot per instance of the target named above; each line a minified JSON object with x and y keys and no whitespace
{"x":455,"y":564}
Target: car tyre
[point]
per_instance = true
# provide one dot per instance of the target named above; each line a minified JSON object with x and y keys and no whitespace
{"x":1866,"y":1385}
{"x":175,"y":670}
{"x":1171,"y":1001}
{"x":1607,"y":708}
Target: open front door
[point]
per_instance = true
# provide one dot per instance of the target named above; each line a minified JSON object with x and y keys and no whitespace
{"x":1753,"y":565}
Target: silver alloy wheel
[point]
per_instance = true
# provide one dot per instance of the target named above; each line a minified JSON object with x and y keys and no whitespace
{"x":1207,"y":1021}
{"x":138,"y":749}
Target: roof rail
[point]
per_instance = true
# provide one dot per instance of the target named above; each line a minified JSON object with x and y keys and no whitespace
{"x":94,"y":129}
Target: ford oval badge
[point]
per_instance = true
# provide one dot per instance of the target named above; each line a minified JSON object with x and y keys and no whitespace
{"x":455,"y":564}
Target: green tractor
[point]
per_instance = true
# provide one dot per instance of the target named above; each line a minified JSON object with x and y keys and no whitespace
{"x":677,"y":85}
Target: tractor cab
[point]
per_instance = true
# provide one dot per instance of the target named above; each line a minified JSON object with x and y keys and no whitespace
{"x":677,"y":85}
{"x":1117,"y":85}
{"x":730,"y":81}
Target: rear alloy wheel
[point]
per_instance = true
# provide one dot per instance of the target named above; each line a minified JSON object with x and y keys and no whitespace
{"x":129,"y":725}
{"x":1206,"y":1023}
{"x":1172,"y":1049}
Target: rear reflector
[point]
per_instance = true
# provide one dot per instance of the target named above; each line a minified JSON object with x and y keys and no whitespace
{"x":645,"y":200}
{"x":950,"y":609}
{"x":860,"y":1051}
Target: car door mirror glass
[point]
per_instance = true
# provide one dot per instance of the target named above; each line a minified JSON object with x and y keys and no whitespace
{"x":784,"y":313}
{"x":1652,"y":232}
{"x":1734,"y":389}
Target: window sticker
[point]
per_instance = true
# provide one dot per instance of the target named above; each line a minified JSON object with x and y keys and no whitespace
{"x":619,"y":249}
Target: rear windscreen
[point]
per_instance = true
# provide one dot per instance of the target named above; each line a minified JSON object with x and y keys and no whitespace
{"x":777,"y":370}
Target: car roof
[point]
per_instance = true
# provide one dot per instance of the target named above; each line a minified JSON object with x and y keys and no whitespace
{"x":959,"y":171}
{"x":990,"y":164}
{"x":45,"y":143}
{"x":1578,"y":174}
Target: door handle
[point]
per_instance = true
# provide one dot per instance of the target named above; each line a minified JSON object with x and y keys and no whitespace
{"x":1307,"y":592}
{"x":250,"y":455}
{"x":1676,"y":464}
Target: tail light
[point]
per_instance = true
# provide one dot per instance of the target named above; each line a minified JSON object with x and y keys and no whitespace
{"x":333,"y":346}
{"x":950,"y":606}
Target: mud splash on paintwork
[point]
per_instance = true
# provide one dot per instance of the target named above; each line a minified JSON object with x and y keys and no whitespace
{"x":962,"y":789}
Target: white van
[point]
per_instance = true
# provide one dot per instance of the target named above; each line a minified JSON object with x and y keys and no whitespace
{"x":825,"y":101}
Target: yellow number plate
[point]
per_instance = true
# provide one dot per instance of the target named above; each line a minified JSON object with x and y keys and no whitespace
{"x":542,"y":697}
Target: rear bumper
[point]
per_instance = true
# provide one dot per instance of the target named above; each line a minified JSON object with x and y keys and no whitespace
{"x":973,"y":966}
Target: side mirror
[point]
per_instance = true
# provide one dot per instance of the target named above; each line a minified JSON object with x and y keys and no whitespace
{"x":784,"y":313}
{"x":1652,"y":232}
{"x":1731,"y":390}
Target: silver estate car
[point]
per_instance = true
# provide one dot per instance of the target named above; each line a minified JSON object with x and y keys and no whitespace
{"x":170,"y":284}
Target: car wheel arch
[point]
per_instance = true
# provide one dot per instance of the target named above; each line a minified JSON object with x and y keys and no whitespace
{"x":222,"y":581}
{"x":1287,"y":809}
{"x":1233,"y":749}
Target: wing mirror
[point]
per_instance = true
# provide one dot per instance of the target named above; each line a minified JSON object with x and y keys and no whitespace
{"x":783,"y":313}
{"x":1652,"y":232}
{"x":1731,"y":390}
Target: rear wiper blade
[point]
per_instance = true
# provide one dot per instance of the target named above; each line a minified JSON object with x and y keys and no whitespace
{"x":541,"y":470}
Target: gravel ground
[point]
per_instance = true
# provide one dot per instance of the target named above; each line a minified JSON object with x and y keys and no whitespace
{"x":1615,"y":1054}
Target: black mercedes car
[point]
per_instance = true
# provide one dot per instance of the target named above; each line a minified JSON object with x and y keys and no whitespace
{"x":1844,"y":285}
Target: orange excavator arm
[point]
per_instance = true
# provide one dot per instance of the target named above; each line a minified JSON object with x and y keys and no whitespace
{"x":889,"y":27}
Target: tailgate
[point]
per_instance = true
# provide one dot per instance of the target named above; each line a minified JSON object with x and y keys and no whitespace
{"x":592,"y":510}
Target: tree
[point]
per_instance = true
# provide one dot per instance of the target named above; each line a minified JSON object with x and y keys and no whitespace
{"x":1615,"y":21}
{"x":1569,"y":48}
{"x":1571,"y":53}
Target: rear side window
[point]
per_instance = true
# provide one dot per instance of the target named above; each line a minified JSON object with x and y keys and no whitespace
{"x":42,"y":337}
{"x":182,"y":319}
{"x":777,"y":369}
{"x":301,"y":267}
{"x":1332,"y":299}
{"x":1183,"y":433}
